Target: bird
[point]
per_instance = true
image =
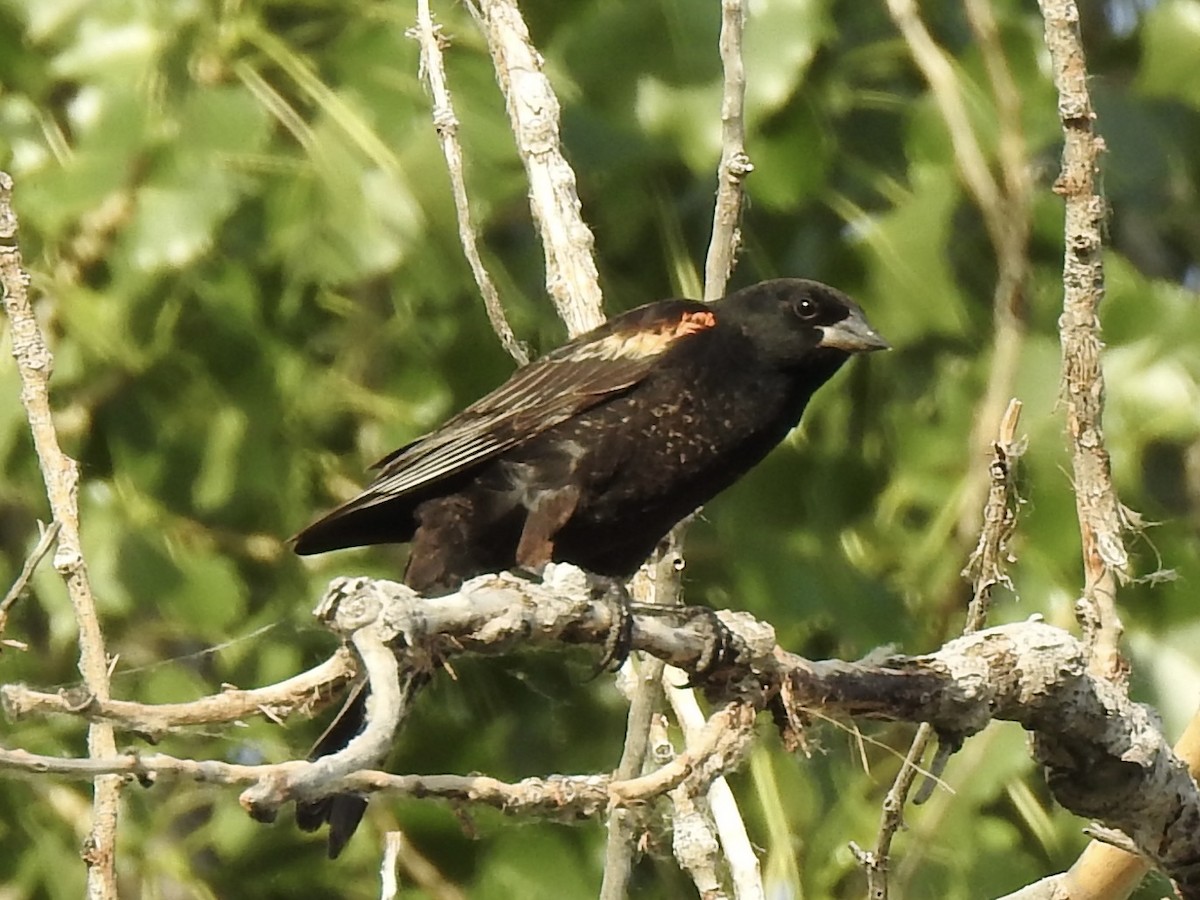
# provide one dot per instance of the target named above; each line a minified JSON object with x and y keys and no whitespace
{"x":591,"y":453}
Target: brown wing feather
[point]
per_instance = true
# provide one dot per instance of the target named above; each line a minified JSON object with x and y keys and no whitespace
{"x":598,"y":365}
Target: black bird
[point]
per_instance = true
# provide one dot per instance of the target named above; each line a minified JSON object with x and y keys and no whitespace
{"x":593,"y":452}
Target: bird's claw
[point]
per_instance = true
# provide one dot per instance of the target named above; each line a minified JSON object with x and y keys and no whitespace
{"x":720,"y":646}
{"x":619,"y":642}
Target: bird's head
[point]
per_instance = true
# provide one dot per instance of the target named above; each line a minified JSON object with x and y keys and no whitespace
{"x":793,"y":322}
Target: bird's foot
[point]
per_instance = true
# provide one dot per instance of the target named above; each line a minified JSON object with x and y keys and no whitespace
{"x":619,"y":643}
{"x":720,"y":646}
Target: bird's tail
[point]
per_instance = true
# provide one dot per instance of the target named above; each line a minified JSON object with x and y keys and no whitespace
{"x":343,"y":812}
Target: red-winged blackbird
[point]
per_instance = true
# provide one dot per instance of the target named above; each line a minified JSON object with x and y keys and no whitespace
{"x":593,"y":452}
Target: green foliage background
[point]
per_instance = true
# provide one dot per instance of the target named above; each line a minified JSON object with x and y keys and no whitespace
{"x":239,"y":227}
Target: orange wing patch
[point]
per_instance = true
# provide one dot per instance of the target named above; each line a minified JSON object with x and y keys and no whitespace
{"x":649,"y":342}
{"x":695,"y":321}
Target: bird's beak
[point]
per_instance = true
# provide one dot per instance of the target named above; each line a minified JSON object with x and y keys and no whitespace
{"x":853,"y":334}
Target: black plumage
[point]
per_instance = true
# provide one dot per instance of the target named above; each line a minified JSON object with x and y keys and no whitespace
{"x":590,"y":454}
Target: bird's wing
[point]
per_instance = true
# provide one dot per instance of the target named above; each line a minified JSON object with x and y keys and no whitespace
{"x":598,"y":365}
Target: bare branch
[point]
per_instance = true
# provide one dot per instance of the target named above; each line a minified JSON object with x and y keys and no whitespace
{"x":45,"y":542}
{"x":1100,"y":520}
{"x":656,"y":583}
{"x":533,"y":109}
{"x":61,"y":476}
{"x":445,"y":122}
{"x":1104,"y":755}
{"x":358,"y":616}
{"x":302,"y":692}
{"x":735,"y":163}
{"x":1105,"y":872}
{"x":564,"y":797}
{"x":988,"y":563}
{"x":731,"y":829}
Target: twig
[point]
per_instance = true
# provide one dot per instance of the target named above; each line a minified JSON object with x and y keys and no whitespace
{"x":735,"y":163}
{"x":303,"y":692}
{"x":1003,"y":207}
{"x":533,"y":109}
{"x":986,"y":569}
{"x":45,"y":542}
{"x":876,"y":863}
{"x":445,"y":123}
{"x":422,"y":873}
{"x":61,"y":476}
{"x":1100,"y":520}
{"x":938,"y":70}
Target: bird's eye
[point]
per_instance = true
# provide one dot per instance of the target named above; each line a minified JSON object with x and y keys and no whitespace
{"x":806,"y":309}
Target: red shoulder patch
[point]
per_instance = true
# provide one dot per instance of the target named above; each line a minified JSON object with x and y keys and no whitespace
{"x":695,"y":321}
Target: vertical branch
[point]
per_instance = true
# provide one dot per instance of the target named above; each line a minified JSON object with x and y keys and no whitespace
{"x":644,"y":675}
{"x":533,"y":109}
{"x":735,"y":164}
{"x":1104,"y":556}
{"x":986,"y":567}
{"x":61,"y":476}
{"x":744,"y":869}
{"x":429,"y":35}
{"x":657,"y":583}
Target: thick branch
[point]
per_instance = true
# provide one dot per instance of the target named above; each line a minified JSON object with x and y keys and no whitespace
{"x":533,"y":109}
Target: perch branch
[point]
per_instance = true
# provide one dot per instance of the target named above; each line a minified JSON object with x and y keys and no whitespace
{"x":445,"y":122}
{"x":1104,"y":756}
{"x":61,"y":476}
{"x":1100,"y":520}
